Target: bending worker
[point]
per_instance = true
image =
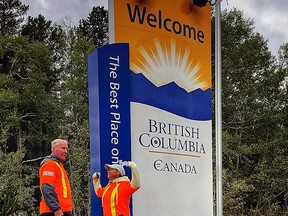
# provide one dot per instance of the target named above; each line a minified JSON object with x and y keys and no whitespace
{"x":116,"y":194}
{"x":54,"y":184}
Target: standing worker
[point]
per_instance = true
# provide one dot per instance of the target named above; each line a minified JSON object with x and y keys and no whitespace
{"x":116,"y":194}
{"x":54,"y":184}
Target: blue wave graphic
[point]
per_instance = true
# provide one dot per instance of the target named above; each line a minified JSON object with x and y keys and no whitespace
{"x":195,"y":105}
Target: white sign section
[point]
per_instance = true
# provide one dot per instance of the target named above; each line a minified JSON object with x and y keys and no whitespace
{"x":174,"y":156}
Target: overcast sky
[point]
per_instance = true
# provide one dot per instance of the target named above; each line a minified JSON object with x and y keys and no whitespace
{"x":270,"y":17}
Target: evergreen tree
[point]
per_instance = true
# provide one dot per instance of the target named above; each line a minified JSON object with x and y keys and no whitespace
{"x":74,"y":97}
{"x":38,"y":29}
{"x":252,"y":86}
{"x":95,"y":27}
{"x":30,"y":114}
{"x":11,"y":16}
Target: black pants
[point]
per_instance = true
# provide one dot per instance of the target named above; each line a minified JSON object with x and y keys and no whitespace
{"x":52,"y":214}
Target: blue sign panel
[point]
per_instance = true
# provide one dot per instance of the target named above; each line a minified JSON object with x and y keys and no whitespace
{"x":109,"y":110}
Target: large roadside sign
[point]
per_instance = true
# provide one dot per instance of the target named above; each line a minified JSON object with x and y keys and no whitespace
{"x":162,"y":104}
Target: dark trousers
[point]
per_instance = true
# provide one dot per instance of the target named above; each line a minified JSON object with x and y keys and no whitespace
{"x":52,"y":214}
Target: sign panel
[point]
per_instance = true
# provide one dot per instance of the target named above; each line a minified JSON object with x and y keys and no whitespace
{"x":170,"y":41}
{"x":109,"y":111}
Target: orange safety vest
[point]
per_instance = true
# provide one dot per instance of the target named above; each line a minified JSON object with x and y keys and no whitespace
{"x":116,"y":198}
{"x":53,"y":173}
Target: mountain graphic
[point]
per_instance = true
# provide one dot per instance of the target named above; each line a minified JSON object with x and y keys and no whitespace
{"x":195,"y":105}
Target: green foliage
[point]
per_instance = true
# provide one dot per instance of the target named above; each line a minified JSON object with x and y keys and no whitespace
{"x":30,"y":111}
{"x":36,"y":29}
{"x":8,"y":199}
{"x":75,"y":100}
{"x":25,"y":74}
{"x":95,"y":27}
{"x":11,"y":16}
{"x":254,"y":128}
{"x":16,"y":184}
{"x":80,"y":178}
{"x":236,"y":191}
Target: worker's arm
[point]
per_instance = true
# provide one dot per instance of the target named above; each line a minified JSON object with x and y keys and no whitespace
{"x":96,"y":181}
{"x":50,"y":197}
{"x":135,"y":181}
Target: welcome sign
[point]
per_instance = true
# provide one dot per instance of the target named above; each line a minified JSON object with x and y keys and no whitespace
{"x":168,"y":76}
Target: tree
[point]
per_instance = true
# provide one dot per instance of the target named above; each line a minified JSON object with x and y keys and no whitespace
{"x":15,"y":185}
{"x":11,"y":16}
{"x":43,"y":82}
{"x":252,"y":124}
{"x":35,"y":111}
{"x":38,"y":29}
{"x":95,"y":27}
{"x":30,"y":112}
{"x":74,"y":97}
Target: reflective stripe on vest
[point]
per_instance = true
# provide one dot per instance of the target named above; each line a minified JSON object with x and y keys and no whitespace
{"x":112,"y":199}
{"x":63,"y":181}
{"x":106,"y":189}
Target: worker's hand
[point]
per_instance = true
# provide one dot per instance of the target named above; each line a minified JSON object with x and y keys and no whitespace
{"x":96,"y":176}
{"x":131,"y":164}
{"x":58,"y":213}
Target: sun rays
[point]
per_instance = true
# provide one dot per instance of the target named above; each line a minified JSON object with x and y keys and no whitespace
{"x":165,"y":63}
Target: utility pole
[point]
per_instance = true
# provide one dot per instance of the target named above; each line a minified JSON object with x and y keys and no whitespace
{"x":218,"y":108}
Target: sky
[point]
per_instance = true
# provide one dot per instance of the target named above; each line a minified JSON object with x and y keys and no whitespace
{"x":270,"y":17}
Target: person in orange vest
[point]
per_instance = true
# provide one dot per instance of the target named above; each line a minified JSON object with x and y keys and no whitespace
{"x":116,"y":194}
{"x":56,"y":197}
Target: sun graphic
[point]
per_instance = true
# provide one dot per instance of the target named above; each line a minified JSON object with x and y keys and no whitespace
{"x":166,"y":63}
